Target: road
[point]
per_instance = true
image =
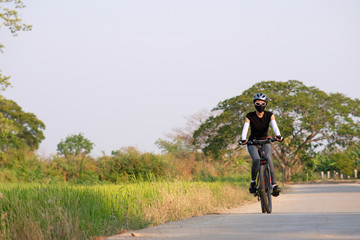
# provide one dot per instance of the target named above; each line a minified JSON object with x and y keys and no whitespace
{"x":306,"y":211}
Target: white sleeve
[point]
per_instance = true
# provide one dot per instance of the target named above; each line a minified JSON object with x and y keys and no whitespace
{"x":275,"y":128}
{"x":245,"y":130}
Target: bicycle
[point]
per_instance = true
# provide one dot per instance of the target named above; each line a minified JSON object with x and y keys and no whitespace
{"x":263,"y":183}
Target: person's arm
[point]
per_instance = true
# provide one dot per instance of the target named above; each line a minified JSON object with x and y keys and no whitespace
{"x":245,"y":131}
{"x":275,"y":128}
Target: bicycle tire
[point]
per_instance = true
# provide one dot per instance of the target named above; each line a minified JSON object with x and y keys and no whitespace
{"x":268,"y":188}
{"x":262,"y":190}
{"x":263,"y":210}
{"x":258,"y":194}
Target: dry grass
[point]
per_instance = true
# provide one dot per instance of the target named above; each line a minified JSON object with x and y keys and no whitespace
{"x":193,"y":200}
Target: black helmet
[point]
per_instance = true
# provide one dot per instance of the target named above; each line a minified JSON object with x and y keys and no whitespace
{"x":261,"y":96}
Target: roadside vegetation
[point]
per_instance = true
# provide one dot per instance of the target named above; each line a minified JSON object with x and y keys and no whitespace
{"x":57,"y":211}
{"x":81,"y":197}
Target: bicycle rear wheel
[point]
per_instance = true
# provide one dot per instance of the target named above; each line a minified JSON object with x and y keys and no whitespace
{"x":265,"y":194}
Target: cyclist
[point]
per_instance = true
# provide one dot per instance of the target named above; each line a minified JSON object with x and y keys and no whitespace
{"x":259,"y":122}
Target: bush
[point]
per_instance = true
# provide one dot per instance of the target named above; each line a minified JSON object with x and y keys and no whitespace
{"x":129,"y":164}
{"x":77,"y":169}
{"x":22,"y":165}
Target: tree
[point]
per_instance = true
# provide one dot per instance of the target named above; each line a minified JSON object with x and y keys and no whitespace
{"x":323,"y":162}
{"x":176,"y":146}
{"x":354,"y":155}
{"x":75,"y":145}
{"x":9,"y":17}
{"x":18,"y":129}
{"x":181,"y":139}
{"x":343,"y":163}
{"x":185,"y":134}
{"x":307,"y":118}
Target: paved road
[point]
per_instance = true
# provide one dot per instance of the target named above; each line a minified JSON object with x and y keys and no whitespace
{"x":317,"y":211}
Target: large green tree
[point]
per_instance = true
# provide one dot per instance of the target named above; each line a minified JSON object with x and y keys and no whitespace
{"x":18,"y":129}
{"x":307,"y":118}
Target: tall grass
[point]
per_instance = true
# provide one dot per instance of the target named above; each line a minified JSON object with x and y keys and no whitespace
{"x":36,"y":211}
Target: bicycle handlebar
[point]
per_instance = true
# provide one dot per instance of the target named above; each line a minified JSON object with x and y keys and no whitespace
{"x":261,"y":142}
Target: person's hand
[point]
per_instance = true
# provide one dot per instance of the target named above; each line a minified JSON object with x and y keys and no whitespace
{"x":243,"y":142}
{"x":279,"y":138}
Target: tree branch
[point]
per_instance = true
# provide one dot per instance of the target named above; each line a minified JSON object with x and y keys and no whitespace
{"x":308,"y":140}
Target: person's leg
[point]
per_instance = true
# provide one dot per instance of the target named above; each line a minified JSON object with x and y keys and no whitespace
{"x":268,"y":155}
{"x":253,"y":151}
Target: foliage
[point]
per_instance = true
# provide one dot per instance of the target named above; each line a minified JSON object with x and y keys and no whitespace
{"x":175,"y":146}
{"x":21,"y":165}
{"x":184,"y":135}
{"x":306,"y":116}
{"x":344,"y":161}
{"x":354,"y":154}
{"x":4,"y":80}
{"x":9,"y":17}
{"x":75,"y":145}
{"x":323,"y":162}
{"x":181,"y":139}
{"x":129,"y":164}
{"x":125,"y":165}
{"x":75,"y":148}
{"x":75,"y":169}
{"x":19,"y":129}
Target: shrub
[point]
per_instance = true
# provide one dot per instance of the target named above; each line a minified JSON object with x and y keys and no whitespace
{"x":129,"y":164}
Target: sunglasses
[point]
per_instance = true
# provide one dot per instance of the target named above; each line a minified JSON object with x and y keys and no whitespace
{"x":260,"y":104}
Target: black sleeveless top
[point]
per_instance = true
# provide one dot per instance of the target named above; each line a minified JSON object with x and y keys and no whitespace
{"x":259,"y":126}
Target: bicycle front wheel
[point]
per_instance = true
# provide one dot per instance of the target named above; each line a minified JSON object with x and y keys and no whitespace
{"x":265,"y":193}
{"x":268,"y":188}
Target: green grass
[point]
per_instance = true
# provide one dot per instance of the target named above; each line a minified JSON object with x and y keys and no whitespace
{"x":63,"y":211}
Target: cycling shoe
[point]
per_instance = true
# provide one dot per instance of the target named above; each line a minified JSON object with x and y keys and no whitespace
{"x":276,"y":191}
{"x":252,"y":188}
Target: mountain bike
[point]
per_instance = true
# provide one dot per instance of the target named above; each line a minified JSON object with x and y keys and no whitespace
{"x":263,"y":183}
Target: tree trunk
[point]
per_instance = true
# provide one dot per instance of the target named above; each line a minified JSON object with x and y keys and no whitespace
{"x":287,"y":173}
{"x":81,"y":166}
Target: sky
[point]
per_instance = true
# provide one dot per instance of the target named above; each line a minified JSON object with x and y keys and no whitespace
{"x":125,"y":73}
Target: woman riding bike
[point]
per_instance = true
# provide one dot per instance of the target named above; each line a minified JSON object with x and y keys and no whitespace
{"x":259,"y":122}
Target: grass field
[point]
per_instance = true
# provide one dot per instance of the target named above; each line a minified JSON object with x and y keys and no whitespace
{"x":63,"y":211}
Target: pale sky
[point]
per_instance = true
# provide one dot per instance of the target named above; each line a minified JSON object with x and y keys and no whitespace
{"x":125,"y":73}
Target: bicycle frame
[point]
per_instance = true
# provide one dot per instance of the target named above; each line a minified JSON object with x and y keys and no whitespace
{"x":264,"y":161}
